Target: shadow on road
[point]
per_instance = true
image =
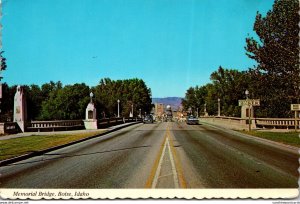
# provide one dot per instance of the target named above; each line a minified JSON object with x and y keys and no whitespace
{"x":66,"y":155}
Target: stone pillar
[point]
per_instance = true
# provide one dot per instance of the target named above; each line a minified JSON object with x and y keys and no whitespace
{"x":90,"y":122}
{"x":205,"y":112}
{"x":20,"y":109}
{"x":245,"y":111}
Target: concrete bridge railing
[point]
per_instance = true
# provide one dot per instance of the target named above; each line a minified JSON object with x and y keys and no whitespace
{"x":60,"y":125}
{"x":243,"y":123}
{"x":9,"y":128}
{"x":36,"y":126}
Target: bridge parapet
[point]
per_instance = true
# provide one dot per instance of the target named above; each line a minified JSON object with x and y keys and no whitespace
{"x":60,"y":125}
{"x":9,"y":128}
{"x":242,"y":123}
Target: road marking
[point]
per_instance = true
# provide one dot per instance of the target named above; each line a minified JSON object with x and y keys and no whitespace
{"x":177,"y":172}
{"x":175,"y":177}
{"x":155,"y":166}
{"x":182,"y":182}
{"x":157,"y":173}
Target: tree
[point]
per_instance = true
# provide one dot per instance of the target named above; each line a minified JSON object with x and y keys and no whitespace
{"x":2,"y":61}
{"x":277,"y":55}
{"x":227,"y":84}
{"x":67,"y":103}
{"x":34,"y":101}
{"x":129,"y":91}
{"x":7,"y":105}
{"x":230,"y":85}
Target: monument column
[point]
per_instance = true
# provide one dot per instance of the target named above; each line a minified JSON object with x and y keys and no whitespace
{"x":20,"y":109}
{"x":90,"y":122}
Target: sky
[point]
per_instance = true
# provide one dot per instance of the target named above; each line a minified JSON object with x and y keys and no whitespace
{"x":170,"y":44}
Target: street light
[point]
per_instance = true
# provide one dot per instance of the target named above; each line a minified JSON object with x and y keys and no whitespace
{"x":132,"y":109}
{"x":247,"y":93}
{"x":219,"y":107}
{"x":249,"y":108}
{"x":140,"y":112}
{"x":118,"y":108}
{"x":91,"y":96}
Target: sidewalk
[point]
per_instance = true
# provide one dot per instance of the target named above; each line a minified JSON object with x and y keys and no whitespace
{"x":247,"y":136}
{"x":70,"y":132}
{"x":235,"y":126}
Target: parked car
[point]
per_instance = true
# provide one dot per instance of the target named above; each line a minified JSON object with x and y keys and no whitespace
{"x":148,"y":119}
{"x":191,"y":120}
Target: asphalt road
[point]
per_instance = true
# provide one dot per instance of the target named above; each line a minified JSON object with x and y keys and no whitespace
{"x":160,"y":155}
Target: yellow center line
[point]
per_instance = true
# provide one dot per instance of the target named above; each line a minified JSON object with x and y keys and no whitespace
{"x":156,"y":163}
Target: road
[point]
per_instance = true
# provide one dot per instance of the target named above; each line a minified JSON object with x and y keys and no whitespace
{"x":160,"y":155}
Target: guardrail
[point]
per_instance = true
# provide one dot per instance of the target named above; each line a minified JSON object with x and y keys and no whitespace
{"x":274,"y":123}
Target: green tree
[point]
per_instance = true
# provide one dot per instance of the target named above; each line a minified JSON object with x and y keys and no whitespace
{"x":228,"y":85}
{"x":7,"y":104}
{"x":66,"y":103}
{"x":128,"y":91}
{"x":276,"y":78}
{"x":34,"y":101}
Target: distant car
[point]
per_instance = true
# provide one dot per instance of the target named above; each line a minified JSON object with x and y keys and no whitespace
{"x":191,"y":120}
{"x":148,"y":119}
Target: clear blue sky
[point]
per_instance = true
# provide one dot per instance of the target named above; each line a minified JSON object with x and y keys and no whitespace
{"x":171,"y":44}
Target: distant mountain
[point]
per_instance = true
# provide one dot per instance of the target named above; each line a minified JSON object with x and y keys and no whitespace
{"x":174,"y":102}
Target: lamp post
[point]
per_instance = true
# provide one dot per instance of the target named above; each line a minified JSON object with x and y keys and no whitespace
{"x":205,"y":109}
{"x":132,"y":109}
{"x":140,"y":112}
{"x":219,"y":107}
{"x":197,"y":113}
{"x":118,"y":108}
{"x":91,"y":96}
{"x":249,"y":108}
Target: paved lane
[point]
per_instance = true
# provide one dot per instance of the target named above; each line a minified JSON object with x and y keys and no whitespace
{"x":160,"y":155}
{"x":216,"y":159}
{"x":118,"y":160}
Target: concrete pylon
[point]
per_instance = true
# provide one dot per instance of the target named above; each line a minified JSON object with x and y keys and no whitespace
{"x":20,"y":108}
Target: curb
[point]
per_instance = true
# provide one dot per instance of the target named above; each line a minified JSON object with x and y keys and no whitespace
{"x":290,"y":147}
{"x":41,"y":152}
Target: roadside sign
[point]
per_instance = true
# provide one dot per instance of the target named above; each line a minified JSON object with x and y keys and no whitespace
{"x":253,"y":102}
{"x":295,"y":107}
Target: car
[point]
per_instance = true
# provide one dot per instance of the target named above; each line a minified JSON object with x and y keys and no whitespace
{"x":191,"y":120}
{"x":148,"y":119}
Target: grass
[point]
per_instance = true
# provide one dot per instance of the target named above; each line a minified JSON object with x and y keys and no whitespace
{"x":23,"y":145}
{"x":289,"y":138}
